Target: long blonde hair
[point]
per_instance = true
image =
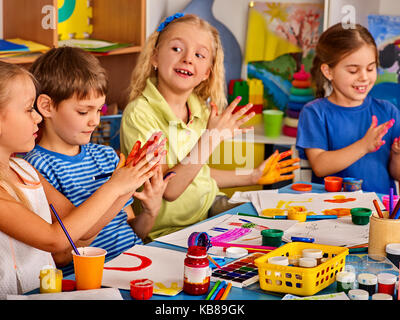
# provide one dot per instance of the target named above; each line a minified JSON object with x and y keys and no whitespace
{"x":8,"y":73}
{"x":213,"y":87}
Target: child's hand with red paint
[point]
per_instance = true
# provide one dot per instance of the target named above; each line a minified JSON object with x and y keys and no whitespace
{"x":373,"y":138}
{"x":272,"y":170}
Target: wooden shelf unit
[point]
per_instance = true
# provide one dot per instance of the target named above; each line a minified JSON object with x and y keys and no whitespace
{"x":121,"y":21}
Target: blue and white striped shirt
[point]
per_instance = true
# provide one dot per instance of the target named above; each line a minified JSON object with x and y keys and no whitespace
{"x":73,"y":177}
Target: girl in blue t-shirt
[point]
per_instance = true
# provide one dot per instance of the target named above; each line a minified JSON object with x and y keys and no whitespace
{"x":345,"y":132}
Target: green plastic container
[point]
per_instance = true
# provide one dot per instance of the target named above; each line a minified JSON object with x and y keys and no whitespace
{"x":360,"y":216}
{"x":271,"y":237}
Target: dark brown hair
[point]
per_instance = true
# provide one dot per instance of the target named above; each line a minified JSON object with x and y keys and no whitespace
{"x":66,"y":71}
{"x":333,"y":45}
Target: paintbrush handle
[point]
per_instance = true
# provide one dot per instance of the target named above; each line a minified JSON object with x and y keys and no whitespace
{"x":394,"y":214}
{"x":65,"y":230}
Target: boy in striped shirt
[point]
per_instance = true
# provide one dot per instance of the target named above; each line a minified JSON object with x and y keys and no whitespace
{"x":73,"y":87}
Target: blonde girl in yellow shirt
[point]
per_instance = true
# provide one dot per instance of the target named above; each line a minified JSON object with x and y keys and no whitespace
{"x":179,"y":69}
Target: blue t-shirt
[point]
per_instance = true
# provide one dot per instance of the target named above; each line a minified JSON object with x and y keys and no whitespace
{"x":325,"y":125}
{"x":73,"y":177}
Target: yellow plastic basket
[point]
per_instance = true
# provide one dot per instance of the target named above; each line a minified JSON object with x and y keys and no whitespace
{"x":300,"y":280}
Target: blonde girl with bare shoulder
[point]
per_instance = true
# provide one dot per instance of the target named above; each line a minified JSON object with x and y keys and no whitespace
{"x":28,"y":231}
{"x":179,"y":69}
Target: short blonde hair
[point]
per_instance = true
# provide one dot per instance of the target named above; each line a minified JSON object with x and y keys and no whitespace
{"x":213,"y":87}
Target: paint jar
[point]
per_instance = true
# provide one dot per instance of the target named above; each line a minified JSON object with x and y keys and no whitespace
{"x":333,"y":184}
{"x":382,"y":232}
{"x":360,"y":216}
{"x":196,"y":278}
{"x":358,"y":294}
{"x":367,"y":282}
{"x":385,"y":201}
{"x":382,"y":296}
{"x":313,"y":253}
{"x":141,"y":289}
{"x":281,"y":260}
{"x":297,"y":213}
{"x":271,"y":237}
{"x":307,"y":262}
{"x":352,"y":184}
{"x":393,"y":253}
{"x":386,"y":283}
{"x":345,"y":281}
{"x":50,"y":280}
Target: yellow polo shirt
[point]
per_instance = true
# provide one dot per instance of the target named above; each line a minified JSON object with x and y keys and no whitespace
{"x":150,"y":113}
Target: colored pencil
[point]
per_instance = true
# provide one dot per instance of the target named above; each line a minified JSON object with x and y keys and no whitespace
{"x":221,"y":285}
{"x":226,"y":292}
{"x":65,"y":230}
{"x":378,"y":210}
{"x":390,"y":201}
{"x":311,"y":217}
{"x":212,"y":260}
{"x":219,"y":294}
{"x":213,"y":289}
{"x":396,"y":211}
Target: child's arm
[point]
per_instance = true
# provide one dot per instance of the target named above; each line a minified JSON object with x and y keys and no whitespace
{"x":394,"y":162}
{"x":325,"y":163}
{"x":151,"y":199}
{"x":220,"y":127}
{"x":24,"y":225}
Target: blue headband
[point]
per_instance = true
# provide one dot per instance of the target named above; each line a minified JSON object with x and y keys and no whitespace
{"x":168,"y":20}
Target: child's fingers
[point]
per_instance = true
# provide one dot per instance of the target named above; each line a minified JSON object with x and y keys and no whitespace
{"x":289,"y":162}
{"x":122,"y":161}
{"x":285,"y":177}
{"x":214,"y":109}
{"x":285,"y":154}
{"x":288,"y":169}
{"x":133,"y":152}
{"x":233,"y":105}
{"x":243,"y":110}
{"x":246,"y":118}
{"x":374,"y":122}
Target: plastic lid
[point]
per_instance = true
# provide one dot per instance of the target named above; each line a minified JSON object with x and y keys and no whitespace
{"x":358,"y":294}
{"x":197,"y":252}
{"x":387,"y":278}
{"x":364,"y":212}
{"x":393,"y":248}
{"x":281,"y":260}
{"x":234,"y":252}
{"x":301,"y":187}
{"x":307,"y":262}
{"x":312,"y":253}
{"x":68,"y":285}
{"x":367,"y":278}
{"x":346,"y":276}
{"x":272,"y":233}
{"x":382,"y":296}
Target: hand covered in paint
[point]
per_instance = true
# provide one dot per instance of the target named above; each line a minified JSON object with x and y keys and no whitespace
{"x":272,"y":170}
{"x":139,"y":167}
{"x":396,"y":146}
{"x":227,"y":124}
{"x":373,"y":138}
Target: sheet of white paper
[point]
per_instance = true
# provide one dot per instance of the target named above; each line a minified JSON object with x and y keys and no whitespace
{"x":335,"y":232}
{"x":329,"y":296}
{"x":318,"y":202}
{"x":166,"y":268}
{"x":252,"y":196}
{"x":96,"y":294}
{"x":227,"y":221}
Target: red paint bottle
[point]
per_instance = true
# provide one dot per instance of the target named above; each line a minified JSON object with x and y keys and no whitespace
{"x":196,"y":278}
